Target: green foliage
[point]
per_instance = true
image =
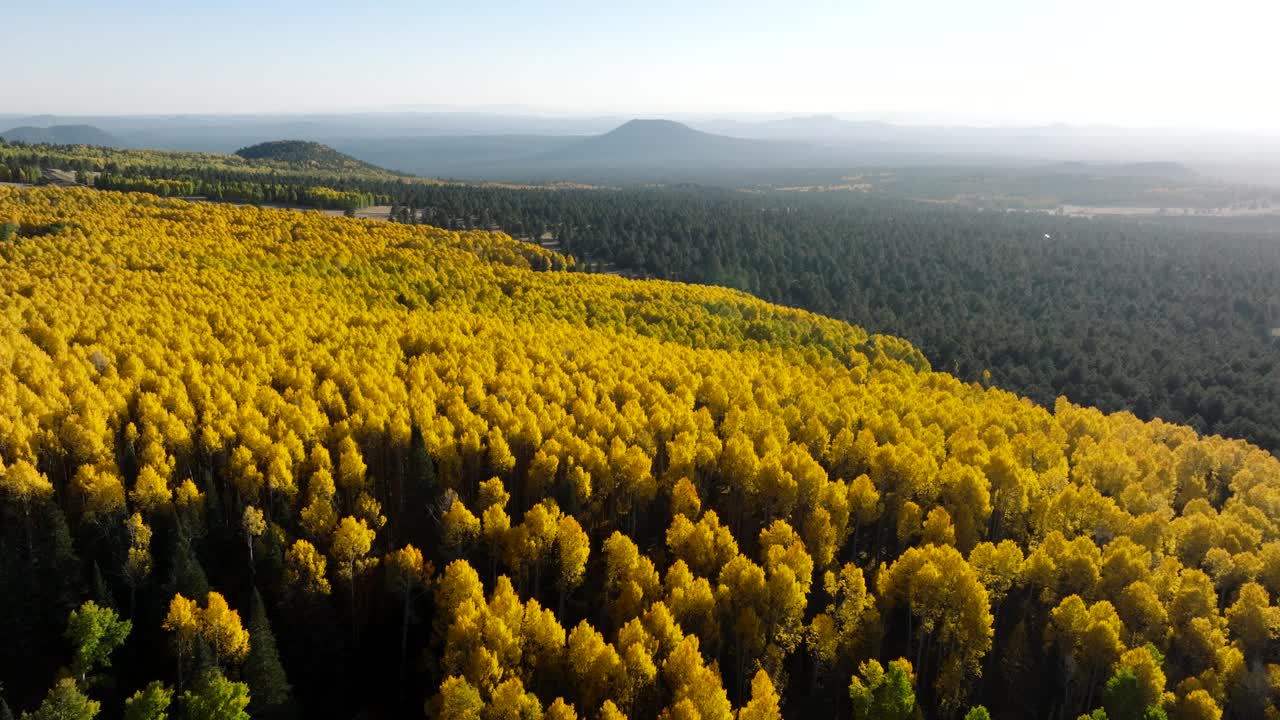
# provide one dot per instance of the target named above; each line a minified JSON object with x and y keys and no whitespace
{"x":262,"y":669}
{"x":977,"y":713}
{"x":99,"y":590}
{"x":311,"y":155}
{"x":879,"y":693}
{"x":217,"y":698}
{"x":1123,"y":699}
{"x":187,"y":575}
{"x":42,"y":581}
{"x":149,"y":703}
{"x":66,"y":702}
{"x":95,"y":632}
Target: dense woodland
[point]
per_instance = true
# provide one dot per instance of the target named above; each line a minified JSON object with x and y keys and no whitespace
{"x":1168,"y":319}
{"x":287,"y":173}
{"x":1171,"y":186}
{"x":279,"y":464}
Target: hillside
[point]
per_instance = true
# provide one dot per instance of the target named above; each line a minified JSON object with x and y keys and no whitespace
{"x":305,"y":155}
{"x":354,"y":468}
{"x":1171,"y":317}
{"x":61,"y":135}
{"x":288,"y":173}
{"x":1176,"y":321}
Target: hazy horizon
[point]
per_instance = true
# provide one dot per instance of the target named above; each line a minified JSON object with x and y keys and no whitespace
{"x":1142,"y":64}
{"x":731,"y":116}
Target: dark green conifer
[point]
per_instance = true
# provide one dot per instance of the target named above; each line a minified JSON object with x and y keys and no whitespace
{"x":268,"y":685}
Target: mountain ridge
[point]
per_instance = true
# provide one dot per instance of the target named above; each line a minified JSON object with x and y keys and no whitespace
{"x":305,"y":153}
{"x":61,"y":135}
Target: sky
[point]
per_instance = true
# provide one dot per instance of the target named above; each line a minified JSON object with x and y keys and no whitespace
{"x":1149,"y":63}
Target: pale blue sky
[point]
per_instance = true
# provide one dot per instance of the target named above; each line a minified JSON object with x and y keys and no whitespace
{"x":1131,"y":62}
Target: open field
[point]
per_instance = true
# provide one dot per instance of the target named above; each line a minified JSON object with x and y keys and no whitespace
{"x":1225,"y":212}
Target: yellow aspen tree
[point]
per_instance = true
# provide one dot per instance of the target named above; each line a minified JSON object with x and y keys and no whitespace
{"x":407,"y":575}
{"x":137,"y":566}
{"x":351,"y":467}
{"x":100,"y":493}
{"x":457,"y":699}
{"x":685,"y":500}
{"x":573,"y":548}
{"x":937,"y":528}
{"x":764,"y":702}
{"x":304,"y":569}
{"x":459,"y":526}
{"x":631,"y":581}
{"x":594,"y":665}
{"x":183,"y":621}
{"x":252,"y":524}
{"x":561,"y":710}
{"x":220,"y":625}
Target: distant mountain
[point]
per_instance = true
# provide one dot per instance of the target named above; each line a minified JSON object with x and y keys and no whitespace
{"x":649,"y":143}
{"x":304,"y":154}
{"x":636,"y":151}
{"x":658,"y":151}
{"x":225,"y":133}
{"x":518,"y":144}
{"x":61,"y":135}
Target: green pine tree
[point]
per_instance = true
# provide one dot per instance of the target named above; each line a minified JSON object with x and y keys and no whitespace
{"x":268,"y":685}
{"x":187,"y":575}
{"x":98,"y":589}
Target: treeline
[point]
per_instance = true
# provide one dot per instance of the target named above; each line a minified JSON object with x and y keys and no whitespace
{"x":435,"y":479}
{"x":322,"y":162}
{"x":15,"y":170}
{"x":332,"y":182}
{"x":242,"y":191}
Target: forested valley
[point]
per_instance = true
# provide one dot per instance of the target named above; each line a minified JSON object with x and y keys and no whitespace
{"x":265,"y":463}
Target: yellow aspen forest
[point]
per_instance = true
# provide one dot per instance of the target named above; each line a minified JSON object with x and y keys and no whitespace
{"x":265,"y":463}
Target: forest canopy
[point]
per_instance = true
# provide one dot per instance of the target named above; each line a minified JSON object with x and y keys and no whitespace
{"x":1174,"y":317}
{"x":1171,"y":318}
{"x":283,"y":464}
